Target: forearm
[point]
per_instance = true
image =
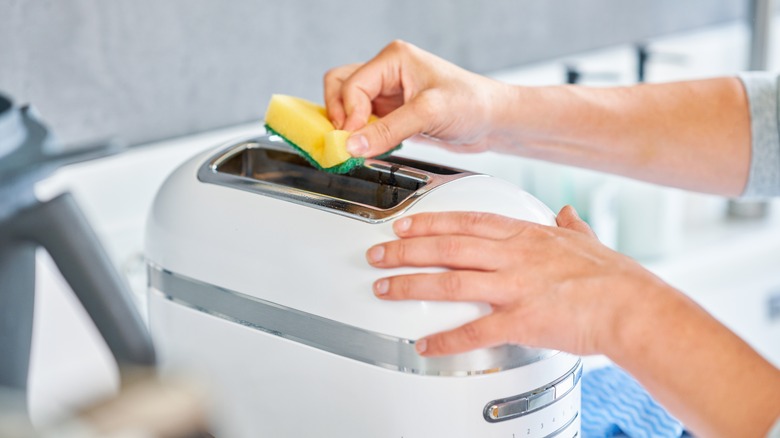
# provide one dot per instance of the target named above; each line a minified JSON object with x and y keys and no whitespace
{"x":704,"y":374}
{"x":694,"y":135}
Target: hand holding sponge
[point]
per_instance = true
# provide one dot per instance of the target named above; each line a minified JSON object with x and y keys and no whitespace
{"x":305,"y":125}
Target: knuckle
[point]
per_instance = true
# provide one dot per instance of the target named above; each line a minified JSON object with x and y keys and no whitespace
{"x":398,"y":45}
{"x":424,"y":222}
{"x":382,"y":131}
{"x":352,"y":97}
{"x":450,"y":247}
{"x":400,"y":252}
{"x":401,"y":287}
{"x":472,"y":220}
{"x":472,"y":335}
{"x":331,"y":74}
{"x":437,"y":344}
{"x":536,"y":231}
{"x":446,"y":343}
{"x":341,"y":73}
{"x":451,"y":284}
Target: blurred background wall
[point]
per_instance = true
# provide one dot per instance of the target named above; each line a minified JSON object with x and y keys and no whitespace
{"x":144,"y":70}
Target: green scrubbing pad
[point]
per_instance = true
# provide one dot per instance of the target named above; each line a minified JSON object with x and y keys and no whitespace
{"x":343,"y":167}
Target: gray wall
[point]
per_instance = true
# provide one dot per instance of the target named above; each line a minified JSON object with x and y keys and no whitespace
{"x":143,"y":70}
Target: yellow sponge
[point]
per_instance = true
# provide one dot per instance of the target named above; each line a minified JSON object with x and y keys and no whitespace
{"x":305,"y":125}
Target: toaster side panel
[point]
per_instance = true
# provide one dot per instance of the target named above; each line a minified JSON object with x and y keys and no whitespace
{"x":264,"y":385}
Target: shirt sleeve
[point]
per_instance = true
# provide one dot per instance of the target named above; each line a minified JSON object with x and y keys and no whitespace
{"x":762,"y":94}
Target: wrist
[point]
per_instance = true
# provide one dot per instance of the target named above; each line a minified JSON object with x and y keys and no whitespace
{"x":631,"y":310}
{"x":524,"y":119}
{"x":646,"y":314}
{"x":505,"y":116}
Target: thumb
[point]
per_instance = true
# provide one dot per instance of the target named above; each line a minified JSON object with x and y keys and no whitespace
{"x":568,"y":218}
{"x":386,"y":133}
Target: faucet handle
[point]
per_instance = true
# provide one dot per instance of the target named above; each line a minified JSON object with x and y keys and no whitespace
{"x":644,"y":54}
{"x":574,"y":75}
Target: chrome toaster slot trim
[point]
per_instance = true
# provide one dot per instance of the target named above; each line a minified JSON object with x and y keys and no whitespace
{"x":375,"y":192}
{"x":332,"y":336}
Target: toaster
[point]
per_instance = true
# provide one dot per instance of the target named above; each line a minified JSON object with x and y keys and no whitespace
{"x":258,"y":283}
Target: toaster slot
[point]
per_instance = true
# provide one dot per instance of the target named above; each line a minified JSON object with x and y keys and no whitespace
{"x":376,"y":191}
{"x":382,"y":187}
{"x":428,"y":167}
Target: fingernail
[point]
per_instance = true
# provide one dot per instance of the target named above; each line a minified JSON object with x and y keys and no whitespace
{"x":402,"y":225}
{"x":421,"y":346}
{"x":357,"y":145}
{"x":381,"y":286}
{"x":376,"y":254}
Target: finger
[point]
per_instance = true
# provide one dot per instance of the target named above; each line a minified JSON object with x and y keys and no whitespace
{"x":388,"y":132}
{"x":485,"y":332}
{"x":365,"y":84}
{"x":446,"y":286}
{"x":336,"y":113}
{"x":568,"y":218}
{"x":379,"y":76}
{"x":332,"y":84}
{"x":487,"y":225}
{"x":458,"y":252}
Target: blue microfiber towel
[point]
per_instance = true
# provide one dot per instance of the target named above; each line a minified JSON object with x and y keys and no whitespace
{"x":614,"y":404}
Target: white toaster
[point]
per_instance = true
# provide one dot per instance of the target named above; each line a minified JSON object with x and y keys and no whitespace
{"x":258,"y":282}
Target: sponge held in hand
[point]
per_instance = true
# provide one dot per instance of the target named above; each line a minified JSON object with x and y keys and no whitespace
{"x":305,"y":125}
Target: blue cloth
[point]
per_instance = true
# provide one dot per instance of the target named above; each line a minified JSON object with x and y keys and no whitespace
{"x":614,"y":404}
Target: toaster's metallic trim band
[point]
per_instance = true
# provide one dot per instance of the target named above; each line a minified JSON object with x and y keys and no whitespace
{"x":332,"y":336}
{"x":208,"y":173}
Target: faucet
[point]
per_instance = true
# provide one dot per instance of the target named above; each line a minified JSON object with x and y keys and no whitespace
{"x":29,"y":152}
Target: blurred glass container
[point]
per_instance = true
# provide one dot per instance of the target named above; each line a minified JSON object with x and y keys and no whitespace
{"x":593,"y":194}
{"x":650,"y":220}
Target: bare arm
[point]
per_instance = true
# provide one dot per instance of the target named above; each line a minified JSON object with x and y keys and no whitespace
{"x":699,"y":370}
{"x":694,"y":135}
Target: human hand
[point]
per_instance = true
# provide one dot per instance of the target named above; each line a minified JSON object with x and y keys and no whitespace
{"x":551,"y":287}
{"x":413,"y":92}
